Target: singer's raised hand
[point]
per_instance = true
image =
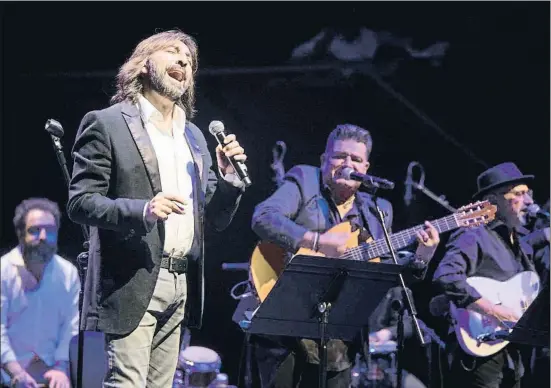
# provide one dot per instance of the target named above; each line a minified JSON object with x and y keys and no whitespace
{"x":164,"y":204}
{"x":231,"y":148}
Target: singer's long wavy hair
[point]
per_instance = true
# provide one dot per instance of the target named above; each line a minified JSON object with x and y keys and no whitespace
{"x":129,"y":78}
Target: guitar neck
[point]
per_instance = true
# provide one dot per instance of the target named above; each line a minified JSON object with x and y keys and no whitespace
{"x":378,"y":248}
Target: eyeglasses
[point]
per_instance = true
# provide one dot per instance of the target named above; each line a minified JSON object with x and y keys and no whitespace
{"x":518,"y":193}
{"x":36,"y":229}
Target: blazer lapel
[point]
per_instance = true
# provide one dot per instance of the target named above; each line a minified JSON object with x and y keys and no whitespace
{"x":143,"y":142}
{"x":195,"y":151}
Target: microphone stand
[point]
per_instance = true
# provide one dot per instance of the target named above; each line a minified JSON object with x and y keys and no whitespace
{"x":400,"y":306}
{"x":440,"y":199}
{"x":82,"y":258}
{"x":278,"y":154}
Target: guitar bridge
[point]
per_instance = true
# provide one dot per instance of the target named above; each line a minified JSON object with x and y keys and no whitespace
{"x":495,"y":336}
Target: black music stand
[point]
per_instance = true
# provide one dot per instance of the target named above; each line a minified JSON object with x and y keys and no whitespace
{"x":324,"y":298}
{"x":533,"y":327}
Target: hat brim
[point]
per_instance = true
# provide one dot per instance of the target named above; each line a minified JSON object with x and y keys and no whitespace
{"x":520,"y":179}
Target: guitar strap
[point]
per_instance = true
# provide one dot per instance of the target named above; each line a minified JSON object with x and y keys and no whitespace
{"x":365,"y":233}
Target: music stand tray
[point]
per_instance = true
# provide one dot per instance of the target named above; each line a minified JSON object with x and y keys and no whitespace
{"x":533,"y":327}
{"x":324,"y":298}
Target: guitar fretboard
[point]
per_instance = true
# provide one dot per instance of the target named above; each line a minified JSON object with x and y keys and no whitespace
{"x":378,"y":248}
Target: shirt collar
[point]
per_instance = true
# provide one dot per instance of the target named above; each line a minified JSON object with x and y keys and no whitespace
{"x":150,"y":114}
{"x":505,"y":231}
{"x":16,"y":257}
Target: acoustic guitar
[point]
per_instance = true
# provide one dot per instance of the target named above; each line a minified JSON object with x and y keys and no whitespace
{"x":268,"y":259}
{"x":482,"y":335}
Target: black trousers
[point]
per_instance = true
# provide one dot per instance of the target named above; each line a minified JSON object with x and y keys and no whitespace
{"x":282,"y":364}
{"x":485,"y":372}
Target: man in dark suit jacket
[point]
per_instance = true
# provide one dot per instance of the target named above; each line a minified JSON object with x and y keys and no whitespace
{"x":299,"y":214}
{"x":143,"y":180}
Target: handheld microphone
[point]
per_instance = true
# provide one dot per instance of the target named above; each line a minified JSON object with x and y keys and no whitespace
{"x":367,"y":180}
{"x":216,"y":128}
{"x":535,"y":211}
{"x":53,"y":127}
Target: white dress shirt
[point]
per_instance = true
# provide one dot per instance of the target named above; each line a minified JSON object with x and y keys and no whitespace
{"x":176,"y":168}
{"x":40,"y":322}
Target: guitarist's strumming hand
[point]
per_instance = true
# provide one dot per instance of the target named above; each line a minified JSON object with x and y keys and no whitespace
{"x":331,"y":244}
{"x":501,"y":312}
{"x":428,"y":239}
{"x":504,"y":314}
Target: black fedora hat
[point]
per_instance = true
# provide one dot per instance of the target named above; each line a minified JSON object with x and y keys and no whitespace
{"x":500,"y":175}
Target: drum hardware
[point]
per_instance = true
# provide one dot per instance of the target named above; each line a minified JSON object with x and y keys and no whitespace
{"x":199,"y":367}
{"x":380,"y":370}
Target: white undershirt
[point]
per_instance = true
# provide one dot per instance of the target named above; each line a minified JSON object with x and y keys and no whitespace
{"x":40,"y":322}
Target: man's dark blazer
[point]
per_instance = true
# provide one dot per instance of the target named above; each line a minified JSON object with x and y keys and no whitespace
{"x":115,"y":174}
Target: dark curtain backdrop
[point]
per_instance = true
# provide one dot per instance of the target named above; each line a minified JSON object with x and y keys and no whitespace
{"x":491,"y":94}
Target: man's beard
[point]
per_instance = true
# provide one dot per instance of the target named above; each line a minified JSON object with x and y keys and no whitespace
{"x":161,"y":83}
{"x":38,"y":252}
{"x":523,"y":219}
{"x":510,"y":219}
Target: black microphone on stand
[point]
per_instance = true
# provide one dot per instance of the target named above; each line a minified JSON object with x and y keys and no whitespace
{"x":216,"y":128}
{"x":367,"y":180}
{"x":54,"y":128}
{"x":535,"y":211}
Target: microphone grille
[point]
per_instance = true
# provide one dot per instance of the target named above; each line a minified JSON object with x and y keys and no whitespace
{"x":216,"y":127}
{"x":54,"y":127}
{"x":346,"y":172}
{"x":533,"y":209}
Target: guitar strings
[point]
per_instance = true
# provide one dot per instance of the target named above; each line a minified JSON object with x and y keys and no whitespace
{"x":380,"y":247}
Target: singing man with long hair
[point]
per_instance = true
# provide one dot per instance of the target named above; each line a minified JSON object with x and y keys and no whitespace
{"x":144,"y":181}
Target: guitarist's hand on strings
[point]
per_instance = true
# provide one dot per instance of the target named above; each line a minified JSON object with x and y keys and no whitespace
{"x":504,"y":313}
{"x":428,"y":239}
{"x":499,"y":311}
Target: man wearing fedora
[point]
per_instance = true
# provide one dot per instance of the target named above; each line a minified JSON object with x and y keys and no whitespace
{"x":498,"y":250}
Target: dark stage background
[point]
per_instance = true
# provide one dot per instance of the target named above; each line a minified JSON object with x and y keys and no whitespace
{"x":491,"y":94}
